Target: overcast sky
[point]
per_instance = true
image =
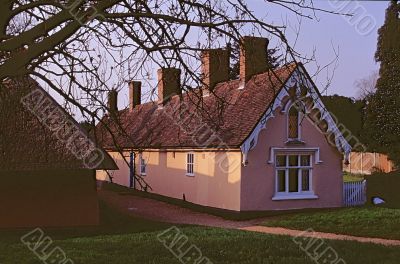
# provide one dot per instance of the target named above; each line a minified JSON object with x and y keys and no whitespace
{"x":355,"y":40}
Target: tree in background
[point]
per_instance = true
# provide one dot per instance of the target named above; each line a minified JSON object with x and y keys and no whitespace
{"x":348,"y":112}
{"x":274,"y":60}
{"x":366,"y":86}
{"x":382,"y":125}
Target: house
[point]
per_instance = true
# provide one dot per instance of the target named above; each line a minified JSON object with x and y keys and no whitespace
{"x":47,"y":162}
{"x":262,"y":142}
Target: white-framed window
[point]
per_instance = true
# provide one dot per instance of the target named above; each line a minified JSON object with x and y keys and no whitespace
{"x":293,"y":176}
{"x":190,"y":164}
{"x":142,"y":165}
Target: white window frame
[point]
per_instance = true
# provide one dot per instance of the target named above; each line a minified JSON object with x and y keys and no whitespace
{"x":190,"y":164}
{"x":300,"y":194}
{"x":142,"y":165}
{"x":277,"y":150}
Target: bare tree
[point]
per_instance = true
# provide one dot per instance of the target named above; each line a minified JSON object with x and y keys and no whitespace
{"x":82,"y":48}
{"x":366,"y":86}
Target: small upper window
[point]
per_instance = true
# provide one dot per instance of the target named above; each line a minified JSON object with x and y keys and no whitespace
{"x":142,"y":165}
{"x":293,"y":123}
{"x":190,"y":164}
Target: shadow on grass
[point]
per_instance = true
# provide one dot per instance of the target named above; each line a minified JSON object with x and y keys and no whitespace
{"x":112,"y":222}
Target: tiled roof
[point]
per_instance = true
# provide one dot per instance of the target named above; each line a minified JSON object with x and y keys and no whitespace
{"x":25,"y":142}
{"x":222,"y":119}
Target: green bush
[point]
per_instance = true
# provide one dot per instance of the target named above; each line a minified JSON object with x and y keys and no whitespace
{"x":385,"y":186}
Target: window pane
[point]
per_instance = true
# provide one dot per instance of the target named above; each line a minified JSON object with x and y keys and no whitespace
{"x":281,"y":181}
{"x":142,"y":165}
{"x":190,"y":163}
{"x":293,"y":125}
{"x":293,"y":160}
{"x":305,"y":160}
{"x":280,"y":161}
{"x":305,"y":180}
{"x":293,"y":180}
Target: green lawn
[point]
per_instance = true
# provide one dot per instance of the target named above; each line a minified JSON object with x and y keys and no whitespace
{"x":122,"y":239}
{"x":359,"y":221}
{"x":220,"y":246}
{"x":349,"y":177}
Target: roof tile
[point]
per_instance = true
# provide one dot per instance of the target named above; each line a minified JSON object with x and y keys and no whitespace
{"x":223,"y":119}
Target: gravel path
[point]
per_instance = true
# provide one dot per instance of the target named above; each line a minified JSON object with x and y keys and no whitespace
{"x":291,"y":232}
{"x":164,"y":212}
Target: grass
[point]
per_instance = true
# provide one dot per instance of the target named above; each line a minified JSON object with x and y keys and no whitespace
{"x":350,"y":177}
{"x":123,"y":239}
{"x":362,"y":221}
{"x":219,"y":245}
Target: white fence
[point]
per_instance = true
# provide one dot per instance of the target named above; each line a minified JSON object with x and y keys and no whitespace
{"x":354,"y":193}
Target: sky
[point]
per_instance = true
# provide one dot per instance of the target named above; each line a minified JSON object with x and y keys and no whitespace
{"x":348,"y":42}
{"x":353,"y":39}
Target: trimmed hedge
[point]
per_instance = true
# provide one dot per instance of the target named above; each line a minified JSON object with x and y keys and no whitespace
{"x":385,"y":186}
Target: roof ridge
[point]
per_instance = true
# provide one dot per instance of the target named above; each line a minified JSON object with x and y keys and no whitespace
{"x":147,"y":127}
{"x":220,"y":84}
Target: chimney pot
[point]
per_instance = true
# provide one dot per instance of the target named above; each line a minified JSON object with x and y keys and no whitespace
{"x":135,"y":93}
{"x":169,"y":84}
{"x":253,"y":57}
{"x":215,"y":66}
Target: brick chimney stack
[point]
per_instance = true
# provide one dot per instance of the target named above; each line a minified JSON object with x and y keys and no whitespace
{"x":169,"y":84}
{"x":135,"y":93}
{"x":253,"y":58}
{"x":112,"y":102}
{"x":215,"y":67}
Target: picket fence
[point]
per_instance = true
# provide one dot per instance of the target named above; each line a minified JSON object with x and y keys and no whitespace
{"x":354,"y":193}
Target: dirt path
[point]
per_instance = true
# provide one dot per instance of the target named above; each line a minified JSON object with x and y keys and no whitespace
{"x":294,"y":233}
{"x":164,"y":212}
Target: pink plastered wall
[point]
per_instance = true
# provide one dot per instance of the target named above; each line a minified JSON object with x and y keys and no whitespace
{"x":215,"y":183}
{"x":258,"y":177}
